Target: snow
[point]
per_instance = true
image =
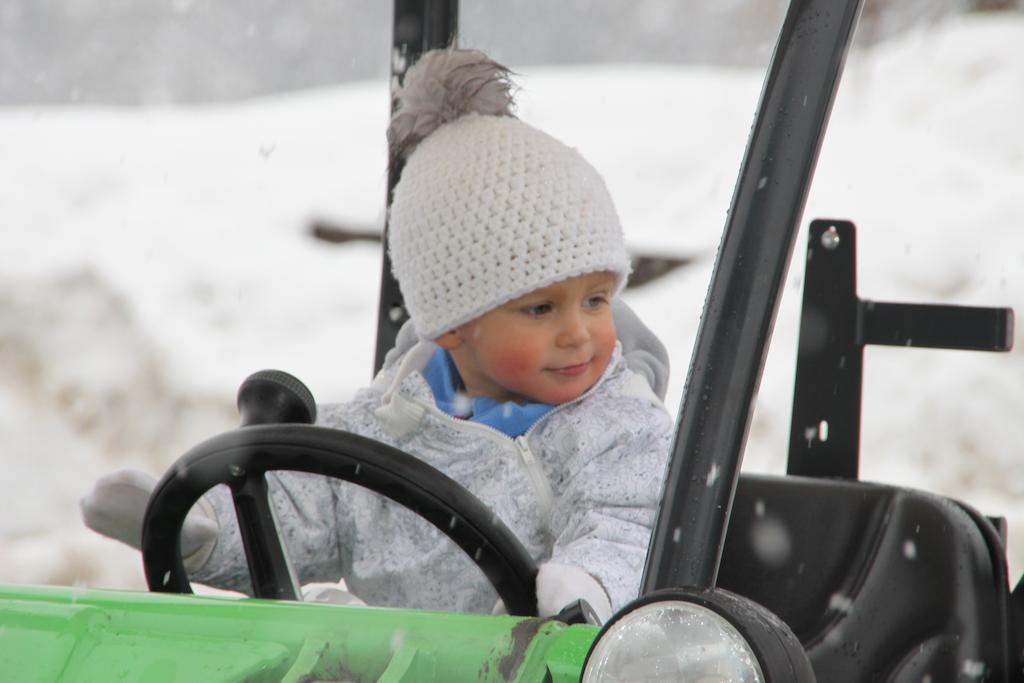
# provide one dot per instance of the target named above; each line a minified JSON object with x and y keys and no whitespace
{"x":153,"y":258}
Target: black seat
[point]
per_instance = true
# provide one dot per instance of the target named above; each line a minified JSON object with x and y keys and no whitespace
{"x":879,"y":583}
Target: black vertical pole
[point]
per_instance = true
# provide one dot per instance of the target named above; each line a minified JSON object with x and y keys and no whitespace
{"x":742,"y":299}
{"x":418,"y":26}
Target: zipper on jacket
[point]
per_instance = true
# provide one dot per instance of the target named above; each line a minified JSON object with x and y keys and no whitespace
{"x":541,"y":484}
{"x":534,"y":472}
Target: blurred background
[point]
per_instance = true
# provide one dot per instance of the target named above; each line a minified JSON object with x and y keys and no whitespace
{"x":163,"y":165}
{"x":178,"y":51}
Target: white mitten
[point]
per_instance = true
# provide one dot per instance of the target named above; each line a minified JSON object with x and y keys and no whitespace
{"x":117,"y":504}
{"x":560,"y":584}
{"x":331,"y":594}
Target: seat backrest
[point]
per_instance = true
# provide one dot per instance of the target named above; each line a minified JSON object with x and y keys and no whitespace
{"x":879,"y":583}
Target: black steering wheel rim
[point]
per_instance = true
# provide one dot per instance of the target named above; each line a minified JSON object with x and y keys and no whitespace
{"x":241,"y":458}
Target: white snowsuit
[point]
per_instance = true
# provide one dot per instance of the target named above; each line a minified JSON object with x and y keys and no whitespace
{"x":579,"y":488}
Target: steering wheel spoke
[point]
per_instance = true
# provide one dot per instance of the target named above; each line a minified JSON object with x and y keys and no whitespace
{"x":271,"y":572}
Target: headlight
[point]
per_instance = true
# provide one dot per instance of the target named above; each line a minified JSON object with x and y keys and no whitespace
{"x":672,"y":640}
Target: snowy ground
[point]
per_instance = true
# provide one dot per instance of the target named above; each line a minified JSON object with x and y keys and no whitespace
{"x":153,"y":258}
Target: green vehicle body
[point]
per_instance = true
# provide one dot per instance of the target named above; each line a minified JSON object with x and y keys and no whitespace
{"x":51,"y":634}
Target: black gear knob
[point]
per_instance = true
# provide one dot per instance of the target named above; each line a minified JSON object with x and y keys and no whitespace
{"x":273,"y":396}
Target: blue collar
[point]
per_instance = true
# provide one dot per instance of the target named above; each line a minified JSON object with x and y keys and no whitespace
{"x":510,"y":418}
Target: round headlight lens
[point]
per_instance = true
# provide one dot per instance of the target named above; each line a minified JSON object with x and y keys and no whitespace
{"x":672,"y":641}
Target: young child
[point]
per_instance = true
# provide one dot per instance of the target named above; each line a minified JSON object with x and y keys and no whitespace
{"x":512,"y":377}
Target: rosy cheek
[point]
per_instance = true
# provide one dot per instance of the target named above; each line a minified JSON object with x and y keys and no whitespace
{"x":513,"y":361}
{"x":606,"y":339}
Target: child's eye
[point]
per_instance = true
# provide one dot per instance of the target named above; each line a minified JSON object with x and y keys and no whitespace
{"x":595,"y":301}
{"x":537,"y":309}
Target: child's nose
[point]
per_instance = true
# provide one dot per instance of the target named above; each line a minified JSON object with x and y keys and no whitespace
{"x":574,"y":330}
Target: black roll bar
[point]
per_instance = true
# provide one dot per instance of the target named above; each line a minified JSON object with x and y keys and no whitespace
{"x":742,"y":300}
{"x":417,"y":27}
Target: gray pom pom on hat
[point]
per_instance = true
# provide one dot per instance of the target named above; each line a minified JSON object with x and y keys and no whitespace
{"x":442,"y":86}
{"x":487,"y":208}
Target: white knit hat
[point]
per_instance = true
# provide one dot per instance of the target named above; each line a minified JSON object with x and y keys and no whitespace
{"x":487,"y":208}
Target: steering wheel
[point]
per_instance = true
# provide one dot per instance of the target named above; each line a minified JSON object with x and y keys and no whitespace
{"x":276,"y":434}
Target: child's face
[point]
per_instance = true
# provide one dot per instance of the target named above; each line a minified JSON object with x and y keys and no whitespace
{"x":548,"y":346}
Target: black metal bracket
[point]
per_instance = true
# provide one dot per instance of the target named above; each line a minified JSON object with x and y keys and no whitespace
{"x":836,"y":325}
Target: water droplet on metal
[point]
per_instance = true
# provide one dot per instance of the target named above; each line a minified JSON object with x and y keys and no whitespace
{"x":830,"y":238}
